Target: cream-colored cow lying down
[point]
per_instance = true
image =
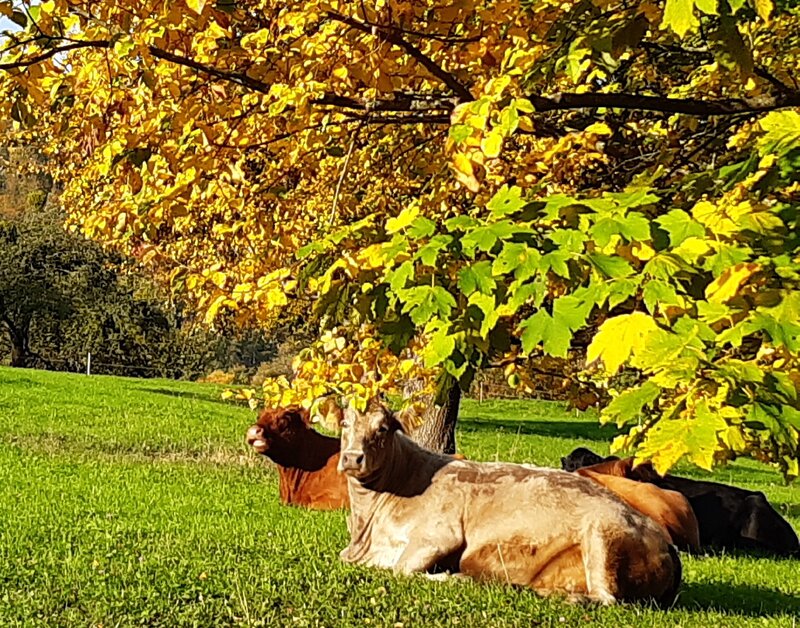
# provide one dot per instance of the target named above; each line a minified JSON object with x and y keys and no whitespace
{"x":414,"y":510}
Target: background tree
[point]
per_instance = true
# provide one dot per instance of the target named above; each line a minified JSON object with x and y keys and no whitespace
{"x":62,"y":297}
{"x":458,"y":184}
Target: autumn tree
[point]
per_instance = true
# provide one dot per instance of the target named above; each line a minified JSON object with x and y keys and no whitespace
{"x":456,"y":185}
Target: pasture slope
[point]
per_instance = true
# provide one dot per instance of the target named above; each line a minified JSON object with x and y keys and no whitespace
{"x":135,"y":502}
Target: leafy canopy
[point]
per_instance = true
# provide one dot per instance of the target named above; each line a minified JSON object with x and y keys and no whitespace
{"x":456,"y":185}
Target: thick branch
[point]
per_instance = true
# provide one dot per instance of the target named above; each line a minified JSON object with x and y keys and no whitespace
{"x":414,"y":119}
{"x":234,"y":77}
{"x":421,"y":104}
{"x":689,"y":106}
{"x":24,"y":63}
{"x":391,"y":36}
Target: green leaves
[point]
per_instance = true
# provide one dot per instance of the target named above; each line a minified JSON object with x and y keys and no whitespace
{"x":614,"y":267}
{"x":628,"y":405}
{"x":403,"y":219}
{"x":485,"y":237}
{"x":518,"y":258}
{"x":507,"y":200}
{"x":541,"y":327}
{"x":423,"y":302}
{"x":633,"y":227}
{"x":486,"y":304}
{"x":680,"y":226}
{"x":782,"y":131}
{"x":439,"y":347}
{"x":477,"y":276}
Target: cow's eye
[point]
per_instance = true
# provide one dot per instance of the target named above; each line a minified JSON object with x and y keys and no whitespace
{"x":345,"y":424}
{"x":383,"y":429}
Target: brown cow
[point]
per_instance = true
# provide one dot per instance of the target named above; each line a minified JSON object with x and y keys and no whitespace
{"x":729,"y":517}
{"x":669,"y":509}
{"x":307,"y":461}
{"x":414,"y":510}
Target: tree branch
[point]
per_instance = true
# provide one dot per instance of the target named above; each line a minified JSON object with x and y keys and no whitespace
{"x":389,"y":35}
{"x":689,"y":106}
{"x":422,"y":104}
{"x":12,"y":65}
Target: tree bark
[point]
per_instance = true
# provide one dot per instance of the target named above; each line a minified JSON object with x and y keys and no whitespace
{"x":19,"y":343}
{"x":438,"y":429}
{"x":18,"y":354}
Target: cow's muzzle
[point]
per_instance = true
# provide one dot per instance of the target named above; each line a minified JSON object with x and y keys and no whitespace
{"x":256,"y":439}
{"x":352,"y":462}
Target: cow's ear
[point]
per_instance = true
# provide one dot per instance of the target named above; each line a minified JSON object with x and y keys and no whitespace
{"x":296,"y":416}
{"x":409,"y":418}
{"x":645,"y":472}
{"x":396,"y":422}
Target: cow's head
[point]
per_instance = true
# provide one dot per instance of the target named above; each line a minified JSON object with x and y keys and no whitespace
{"x":579,"y":458}
{"x":277,"y":427}
{"x":366,"y":439}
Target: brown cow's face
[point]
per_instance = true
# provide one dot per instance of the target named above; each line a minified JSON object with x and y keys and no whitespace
{"x":366,"y":438}
{"x":276,"y":426}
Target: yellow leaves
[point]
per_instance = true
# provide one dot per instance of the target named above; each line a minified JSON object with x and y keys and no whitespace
{"x":196,"y":5}
{"x":464,"y":172}
{"x":679,"y":16}
{"x":403,"y":219}
{"x":492,"y":144}
{"x":619,"y":338}
{"x":642,"y":251}
{"x":218,"y":279}
{"x":341,"y":367}
{"x":763,"y":8}
{"x":220,"y":301}
{"x":695,"y":433}
{"x":327,"y":412}
{"x":714,"y":218}
{"x":726,"y":286}
{"x":598,"y":128}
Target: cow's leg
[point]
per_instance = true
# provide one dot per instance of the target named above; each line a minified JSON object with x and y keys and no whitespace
{"x":425,"y":550}
{"x":594,"y":548}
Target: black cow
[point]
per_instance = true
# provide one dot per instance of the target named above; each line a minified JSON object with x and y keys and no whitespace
{"x":729,"y":517}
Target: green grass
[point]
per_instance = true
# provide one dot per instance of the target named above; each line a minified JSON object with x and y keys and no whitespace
{"x":134,"y":502}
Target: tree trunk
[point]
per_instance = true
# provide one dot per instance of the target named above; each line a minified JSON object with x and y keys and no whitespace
{"x":19,"y":343}
{"x":438,"y":429}
{"x":18,"y":354}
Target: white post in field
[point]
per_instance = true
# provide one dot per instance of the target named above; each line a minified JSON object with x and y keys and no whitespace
{"x":89,"y":363}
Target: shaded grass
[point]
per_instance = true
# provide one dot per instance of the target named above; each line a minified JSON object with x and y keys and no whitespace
{"x":134,"y":502}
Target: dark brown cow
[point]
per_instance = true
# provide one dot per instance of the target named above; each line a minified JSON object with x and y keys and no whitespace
{"x":729,"y":517}
{"x":307,"y":461}
{"x":669,"y":509}
{"x":414,"y":510}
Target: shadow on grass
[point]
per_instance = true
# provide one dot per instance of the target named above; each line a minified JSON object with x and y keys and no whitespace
{"x":578,"y":430}
{"x":190,"y":395}
{"x":787,"y":509}
{"x":736,"y":598}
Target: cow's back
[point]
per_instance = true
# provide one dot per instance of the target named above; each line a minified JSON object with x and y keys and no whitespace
{"x":534,"y":526}
{"x":669,"y":509}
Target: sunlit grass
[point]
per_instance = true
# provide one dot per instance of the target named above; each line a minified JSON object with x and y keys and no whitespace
{"x":135,"y":502}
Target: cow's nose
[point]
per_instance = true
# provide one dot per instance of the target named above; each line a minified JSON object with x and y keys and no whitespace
{"x":352,"y":460}
{"x":255,"y":437}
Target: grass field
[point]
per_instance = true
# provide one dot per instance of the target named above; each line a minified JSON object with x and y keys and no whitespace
{"x":135,"y":502}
